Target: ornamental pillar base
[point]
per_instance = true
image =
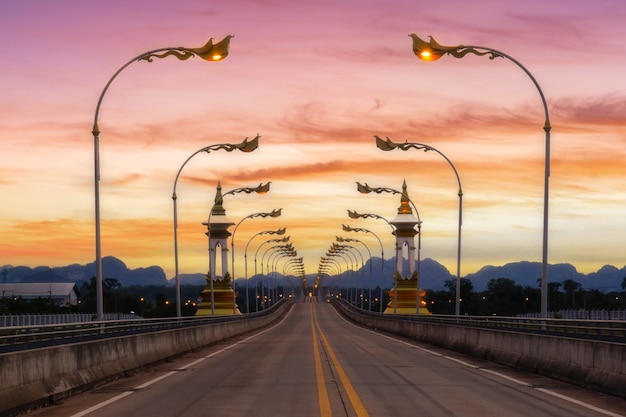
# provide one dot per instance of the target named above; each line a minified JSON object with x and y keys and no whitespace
{"x":406,"y":299}
{"x":222,"y":297}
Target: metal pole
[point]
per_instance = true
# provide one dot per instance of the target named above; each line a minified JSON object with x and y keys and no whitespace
{"x":208,"y":52}
{"x":431,"y":51}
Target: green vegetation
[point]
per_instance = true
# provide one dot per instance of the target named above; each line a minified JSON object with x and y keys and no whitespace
{"x":503,"y":297}
{"x":145,"y":301}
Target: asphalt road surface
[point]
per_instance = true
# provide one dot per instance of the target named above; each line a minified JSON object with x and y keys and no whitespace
{"x":314,"y":363}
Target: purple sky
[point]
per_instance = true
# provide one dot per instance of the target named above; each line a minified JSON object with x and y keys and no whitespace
{"x":316,"y":80}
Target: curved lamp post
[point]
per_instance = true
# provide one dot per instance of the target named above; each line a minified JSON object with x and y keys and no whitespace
{"x":209,"y":52}
{"x":280,"y":255}
{"x":245,"y":146}
{"x":354,"y":215}
{"x":347,"y":228}
{"x":278,"y":248}
{"x":337,"y":253}
{"x":341,"y":240}
{"x":219,"y":200}
{"x":331,"y":267}
{"x":279,"y":232}
{"x":292,"y":265}
{"x":256,"y":293}
{"x":349,"y":249}
{"x":295,"y":269}
{"x":432,"y":51}
{"x":346,"y":254}
{"x":388,"y":145}
{"x":273,"y":213}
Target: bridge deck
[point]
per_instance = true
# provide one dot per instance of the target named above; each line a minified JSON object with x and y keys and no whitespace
{"x":314,"y":363}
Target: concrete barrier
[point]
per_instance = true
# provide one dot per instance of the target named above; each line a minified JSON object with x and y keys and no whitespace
{"x":596,"y":365}
{"x":33,"y":378}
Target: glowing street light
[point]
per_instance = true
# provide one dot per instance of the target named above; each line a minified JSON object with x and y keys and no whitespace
{"x":431,"y":51}
{"x":209,"y":52}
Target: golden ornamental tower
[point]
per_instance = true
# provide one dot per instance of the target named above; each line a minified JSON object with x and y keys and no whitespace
{"x":403,"y":297}
{"x":217,"y":296}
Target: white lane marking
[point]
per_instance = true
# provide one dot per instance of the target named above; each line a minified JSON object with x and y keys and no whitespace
{"x":102,"y":404}
{"x":514,"y":380}
{"x":459,"y":361}
{"x":162,"y":377}
{"x":580,"y":403}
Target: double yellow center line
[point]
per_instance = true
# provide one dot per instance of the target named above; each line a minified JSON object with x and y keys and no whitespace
{"x":322,"y":392}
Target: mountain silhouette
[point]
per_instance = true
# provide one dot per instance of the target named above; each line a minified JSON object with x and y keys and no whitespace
{"x":111,"y":268}
{"x":433,"y":275}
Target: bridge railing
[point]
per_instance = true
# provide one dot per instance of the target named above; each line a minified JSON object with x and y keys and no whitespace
{"x":605,"y":330}
{"x":16,"y":338}
{"x":582,"y":314}
{"x":11,"y":320}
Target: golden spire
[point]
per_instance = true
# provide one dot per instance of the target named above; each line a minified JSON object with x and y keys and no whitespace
{"x":218,"y":209}
{"x":404,"y":208}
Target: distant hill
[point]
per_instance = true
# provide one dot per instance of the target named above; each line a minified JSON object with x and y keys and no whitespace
{"x":111,"y":268}
{"x":433,"y":274}
{"x":527,"y":273}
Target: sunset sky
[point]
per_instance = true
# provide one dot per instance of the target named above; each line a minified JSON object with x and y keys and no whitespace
{"x":316,"y":80}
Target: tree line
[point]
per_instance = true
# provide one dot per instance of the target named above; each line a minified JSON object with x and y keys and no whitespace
{"x":503,"y":297}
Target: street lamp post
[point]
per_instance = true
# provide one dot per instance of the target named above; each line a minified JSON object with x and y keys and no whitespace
{"x":256,"y":294}
{"x":330,"y":267}
{"x":288,"y":248}
{"x":245,"y":146}
{"x":292,"y":265}
{"x":388,"y":145}
{"x":293,"y":270}
{"x":350,"y":249}
{"x":354,"y":215}
{"x":431,"y":51}
{"x":347,"y":228}
{"x":273,"y":213}
{"x":341,"y":250}
{"x":260,"y":189}
{"x":209,"y":52}
{"x":341,"y":239}
{"x":279,"y":232}
{"x":280,"y":255}
{"x":340,"y":253}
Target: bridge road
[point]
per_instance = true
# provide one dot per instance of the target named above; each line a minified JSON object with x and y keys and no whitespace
{"x":314,"y":363}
